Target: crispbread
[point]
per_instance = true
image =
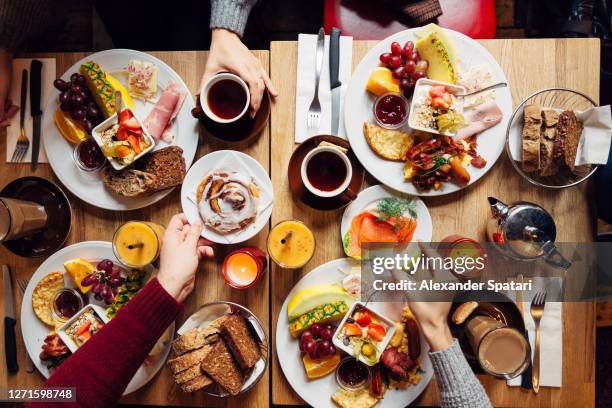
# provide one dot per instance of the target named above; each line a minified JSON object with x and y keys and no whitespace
{"x":223,"y":369}
{"x":196,"y":383}
{"x":240,"y":341}
{"x":387,"y":143}
{"x":189,"y":359}
{"x":43,"y":294}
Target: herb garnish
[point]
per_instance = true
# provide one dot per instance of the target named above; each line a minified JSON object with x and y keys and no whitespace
{"x":395,"y":208}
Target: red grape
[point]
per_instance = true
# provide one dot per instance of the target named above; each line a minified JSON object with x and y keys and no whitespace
{"x":116,"y":282}
{"x":97,"y":288}
{"x":404,"y":83}
{"x":422,"y":65}
{"x":64,"y":97}
{"x":78,"y":114}
{"x":307,"y":335}
{"x":330,"y":327}
{"x":385,"y":57}
{"x":105,"y":291}
{"x":89,"y":280}
{"x":76,"y":100}
{"x":325,"y":347}
{"x":414,"y":57}
{"x":61,"y":85}
{"x":76,"y":89}
{"x":406,"y":53}
{"x":332,"y":349}
{"x":416,"y":75}
{"x":399,"y":72}
{"x":327,"y":334}
{"x":315,"y":329}
{"x":396,"y":48}
{"x":93,"y":113}
{"x":310,"y":346}
{"x":115,"y":290}
{"x":409,"y":44}
{"x":395,"y":61}
{"x":106,"y":265}
{"x":65,"y":107}
{"x":410,"y":66}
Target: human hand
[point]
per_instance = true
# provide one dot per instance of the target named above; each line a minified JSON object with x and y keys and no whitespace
{"x":228,"y":53}
{"x":7,"y":109}
{"x":181,"y":252}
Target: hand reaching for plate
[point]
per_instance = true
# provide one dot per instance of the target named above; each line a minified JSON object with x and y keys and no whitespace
{"x":228,"y":53}
{"x":181,"y":252}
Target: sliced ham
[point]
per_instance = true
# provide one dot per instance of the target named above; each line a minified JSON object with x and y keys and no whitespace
{"x":159,"y":121}
{"x":479,"y":119}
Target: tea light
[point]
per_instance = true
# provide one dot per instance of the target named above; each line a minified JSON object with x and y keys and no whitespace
{"x":242,"y":268}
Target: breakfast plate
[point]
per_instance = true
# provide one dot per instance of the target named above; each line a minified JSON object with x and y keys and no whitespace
{"x":369,"y":200}
{"x":89,"y":186}
{"x":35,"y":331}
{"x":359,"y":109}
{"x":318,"y":392}
{"x":230,"y":174}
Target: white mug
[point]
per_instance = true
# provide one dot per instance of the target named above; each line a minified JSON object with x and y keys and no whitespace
{"x":206,"y":88}
{"x":343,"y":188}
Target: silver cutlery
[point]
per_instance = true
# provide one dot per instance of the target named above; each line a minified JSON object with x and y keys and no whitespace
{"x":10,"y":342}
{"x":537,"y":311}
{"x":486,"y":88}
{"x":35,"y":111}
{"x":526,"y":375}
{"x":334,"y":82}
{"x":313,"y":119}
{"x":23,"y":143}
{"x":23,"y":285}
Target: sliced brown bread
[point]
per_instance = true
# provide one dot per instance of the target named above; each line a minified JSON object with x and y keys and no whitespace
{"x":189,"y":359}
{"x":240,"y":341}
{"x":548,"y":166}
{"x":569,"y":130}
{"x":532,"y":123}
{"x":196,"y":383}
{"x":188,"y":374}
{"x":168,"y":166}
{"x":128,"y":182}
{"x":223,"y":369}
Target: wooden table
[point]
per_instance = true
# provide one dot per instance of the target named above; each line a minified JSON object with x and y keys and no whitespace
{"x":90,"y":223}
{"x":529,"y":65}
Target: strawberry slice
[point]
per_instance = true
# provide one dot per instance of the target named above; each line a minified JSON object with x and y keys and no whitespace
{"x":124,"y":115}
{"x":363,"y":319}
{"x":376,"y":331}
{"x":131,"y":123}
{"x":351,"y":329}
{"x":122,"y":133}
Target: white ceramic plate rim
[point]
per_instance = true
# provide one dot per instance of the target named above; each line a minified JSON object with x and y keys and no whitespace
{"x":196,"y":174}
{"x":289,"y":355}
{"x":358,"y":108}
{"x":34,"y":331}
{"x":59,"y":151}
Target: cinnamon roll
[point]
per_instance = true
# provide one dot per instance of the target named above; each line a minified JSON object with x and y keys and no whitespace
{"x":227,"y":201}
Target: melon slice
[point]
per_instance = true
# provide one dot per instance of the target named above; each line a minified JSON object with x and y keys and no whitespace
{"x":439,"y":51}
{"x":309,"y":298}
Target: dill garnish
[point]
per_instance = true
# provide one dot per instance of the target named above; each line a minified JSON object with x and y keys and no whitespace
{"x":395,"y":208}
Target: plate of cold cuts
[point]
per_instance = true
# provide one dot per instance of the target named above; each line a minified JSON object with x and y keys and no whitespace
{"x":160,"y":100}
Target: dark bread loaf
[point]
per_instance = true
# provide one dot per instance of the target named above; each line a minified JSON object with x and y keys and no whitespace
{"x":548,"y":166}
{"x":569,"y":130}
{"x":128,"y":182}
{"x":222,"y":368}
{"x":236,"y":334}
{"x":532,"y":123}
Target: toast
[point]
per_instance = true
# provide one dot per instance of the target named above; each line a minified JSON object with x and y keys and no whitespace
{"x":223,"y":369}
{"x":567,"y":138}
{"x":196,"y":383}
{"x":388,"y":144}
{"x":531,"y":138}
{"x":548,"y":166}
{"x":188,"y":374}
{"x":189,"y":359}
{"x":196,"y":338}
{"x":240,"y":341}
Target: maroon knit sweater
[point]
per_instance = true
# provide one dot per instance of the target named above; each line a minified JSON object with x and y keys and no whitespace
{"x":102,"y":368}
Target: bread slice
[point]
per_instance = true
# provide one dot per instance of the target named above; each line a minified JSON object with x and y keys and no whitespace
{"x":168,"y":166}
{"x":196,"y":383}
{"x":532,"y":119}
{"x":189,"y":359}
{"x":188,"y":374}
{"x":548,"y":166}
{"x":240,"y":341}
{"x":128,"y":182}
{"x":569,"y":130}
{"x":387,"y":143}
{"x":223,"y":369}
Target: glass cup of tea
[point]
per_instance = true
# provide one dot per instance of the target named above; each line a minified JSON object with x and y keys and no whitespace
{"x":20,"y":218}
{"x":225,"y":98}
{"x":327,"y":172}
{"x":501,"y":350}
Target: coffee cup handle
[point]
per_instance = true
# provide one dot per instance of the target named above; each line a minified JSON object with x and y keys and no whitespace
{"x":350,"y":193}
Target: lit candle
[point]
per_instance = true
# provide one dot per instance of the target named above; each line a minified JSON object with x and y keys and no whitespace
{"x":242,"y":268}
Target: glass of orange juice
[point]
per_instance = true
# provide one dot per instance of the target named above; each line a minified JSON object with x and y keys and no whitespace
{"x":137,"y":244}
{"x":291,"y":244}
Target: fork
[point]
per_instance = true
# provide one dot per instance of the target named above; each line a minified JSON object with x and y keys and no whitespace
{"x":22,"y":146}
{"x":537,"y":311}
{"x":313,"y":119}
{"x":23,"y":284}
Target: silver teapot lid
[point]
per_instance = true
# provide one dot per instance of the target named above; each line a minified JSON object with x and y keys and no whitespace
{"x":527,"y":228}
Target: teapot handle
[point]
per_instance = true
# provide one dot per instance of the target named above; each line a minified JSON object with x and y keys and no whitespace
{"x":554,"y":257}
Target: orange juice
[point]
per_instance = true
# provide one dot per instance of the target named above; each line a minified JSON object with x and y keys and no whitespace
{"x":137,"y":243}
{"x":291,"y":244}
{"x":242,"y":268}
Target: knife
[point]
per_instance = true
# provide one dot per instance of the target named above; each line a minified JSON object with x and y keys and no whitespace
{"x":10,"y":345}
{"x":35,"y":111}
{"x":334,"y":83}
{"x":24,"y":97}
{"x":526,"y":376}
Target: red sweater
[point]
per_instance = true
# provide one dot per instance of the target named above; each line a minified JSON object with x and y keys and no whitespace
{"x":102,"y":368}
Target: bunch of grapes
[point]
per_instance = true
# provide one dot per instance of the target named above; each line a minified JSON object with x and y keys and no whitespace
{"x":405,"y":64}
{"x":105,"y":281}
{"x":317,"y":341}
{"x":76,"y":99}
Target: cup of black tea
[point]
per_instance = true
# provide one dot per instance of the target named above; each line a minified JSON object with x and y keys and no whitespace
{"x":225,"y":98}
{"x":327,"y":172}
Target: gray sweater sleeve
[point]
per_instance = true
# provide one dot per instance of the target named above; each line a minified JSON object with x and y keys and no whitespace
{"x":459,"y":387}
{"x":21,"y":20}
{"x":230,"y":14}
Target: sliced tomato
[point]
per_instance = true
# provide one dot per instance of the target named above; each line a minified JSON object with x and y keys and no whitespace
{"x":376,"y":331}
{"x":122,"y":133}
{"x":364,"y":318}
{"x":133,"y":141}
{"x":124,"y":115}
{"x":351,"y":329}
{"x":132,"y":124}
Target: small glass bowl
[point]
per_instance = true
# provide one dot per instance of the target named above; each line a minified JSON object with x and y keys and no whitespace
{"x":77,"y":159}
{"x":406,"y":108}
{"x":57,"y":314}
{"x":347,"y":386}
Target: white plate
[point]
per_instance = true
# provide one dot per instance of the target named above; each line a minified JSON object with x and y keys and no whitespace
{"x":203,"y":167}
{"x":318,"y":392}
{"x":358,"y":109}
{"x":89,"y":187}
{"x":34,"y":331}
{"x":369,"y":198}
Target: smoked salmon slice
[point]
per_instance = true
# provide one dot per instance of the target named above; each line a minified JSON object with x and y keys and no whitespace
{"x":368,"y":227}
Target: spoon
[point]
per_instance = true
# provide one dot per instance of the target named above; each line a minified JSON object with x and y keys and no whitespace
{"x":118,"y":105}
{"x":488,"y":88}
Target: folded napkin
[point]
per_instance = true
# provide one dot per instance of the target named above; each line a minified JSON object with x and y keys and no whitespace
{"x":12,"y":132}
{"x":595,"y":140}
{"x":233,"y":163}
{"x":551,"y":327}
{"x":416,"y":12}
{"x":307,"y":48}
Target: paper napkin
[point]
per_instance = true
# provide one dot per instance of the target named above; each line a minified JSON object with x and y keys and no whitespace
{"x":307,"y":49}
{"x":551,"y":326}
{"x":12,"y":132}
{"x":233,"y":163}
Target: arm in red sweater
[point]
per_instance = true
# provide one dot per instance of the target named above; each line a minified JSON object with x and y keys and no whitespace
{"x":102,"y":368}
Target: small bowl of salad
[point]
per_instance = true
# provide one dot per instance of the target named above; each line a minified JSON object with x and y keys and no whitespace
{"x":84,"y":324}
{"x":364,"y":333}
{"x":123,"y":140}
{"x":437,"y":107}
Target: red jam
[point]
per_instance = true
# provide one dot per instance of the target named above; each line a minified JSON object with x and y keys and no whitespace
{"x":90,"y":154}
{"x":352,"y":373}
{"x":67,"y":304}
{"x":390,"y":109}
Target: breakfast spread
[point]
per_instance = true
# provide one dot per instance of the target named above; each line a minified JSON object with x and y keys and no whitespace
{"x":228,"y":201}
{"x":223,"y":352}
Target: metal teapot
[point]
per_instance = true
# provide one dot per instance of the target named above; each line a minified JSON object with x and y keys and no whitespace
{"x":524,"y":231}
